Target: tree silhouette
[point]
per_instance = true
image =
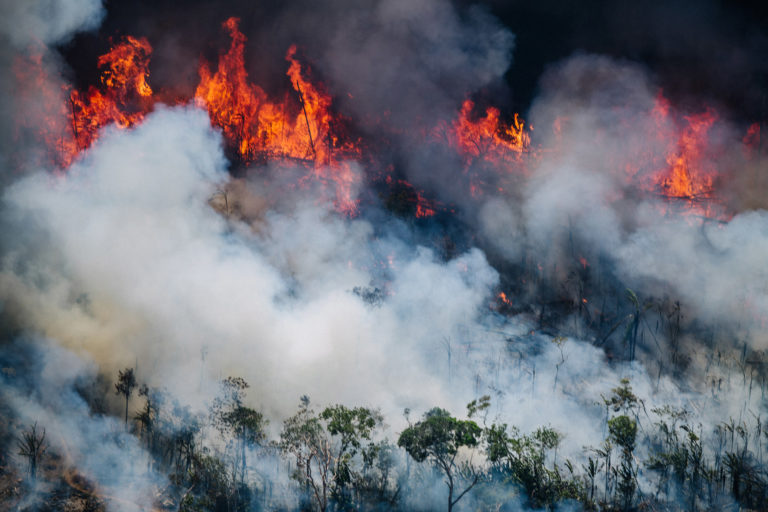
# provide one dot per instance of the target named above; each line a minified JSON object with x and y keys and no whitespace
{"x":126,"y":383}
{"x":32,"y":445}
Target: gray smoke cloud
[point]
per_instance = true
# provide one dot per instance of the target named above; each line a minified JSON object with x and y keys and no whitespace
{"x":47,"y":21}
{"x":579,"y":201}
{"x":392,"y":56}
{"x":129,"y":261}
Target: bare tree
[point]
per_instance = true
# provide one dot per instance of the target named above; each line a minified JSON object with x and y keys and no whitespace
{"x":32,"y":445}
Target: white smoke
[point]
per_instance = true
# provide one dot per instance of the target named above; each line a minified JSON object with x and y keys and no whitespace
{"x":580,"y":201}
{"x":163,"y":277}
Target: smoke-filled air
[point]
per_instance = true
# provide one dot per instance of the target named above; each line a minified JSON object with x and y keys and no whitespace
{"x":383,"y":255}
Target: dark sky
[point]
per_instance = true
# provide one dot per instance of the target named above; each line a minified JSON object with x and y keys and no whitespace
{"x":700,"y":51}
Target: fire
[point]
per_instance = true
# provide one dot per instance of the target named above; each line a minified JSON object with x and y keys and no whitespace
{"x":488,"y":137}
{"x":124,"y":99}
{"x":502,"y":302}
{"x":678,"y":163}
{"x":236,"y":106}
{"x":406,"y":195}
{"x":72,"y":119}
{"x":263,"y":130}
{"x":486,"y":140}
{"x":423,"y":208}
{"x":690,"y":174}
{"x":127,"y":67}
{"x":302,"y":129}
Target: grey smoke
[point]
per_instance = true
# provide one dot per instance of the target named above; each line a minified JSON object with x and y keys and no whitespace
{"x":411,"y":62}
{"x":47,"y":21}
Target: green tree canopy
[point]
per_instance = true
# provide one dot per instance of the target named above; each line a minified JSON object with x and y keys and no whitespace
{"x":438,"y":439}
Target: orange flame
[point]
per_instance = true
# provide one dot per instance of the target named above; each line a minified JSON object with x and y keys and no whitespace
{"x":678,"y":161}
{"x":127,"y":67}
{"x":488,"y":137}
{"x":419,"y":205}
{"x":125,"y":99}
{"x":503,"y":300}
{"x":485,"y":139}
{"x":690,"y":175}
{"x":304,"y":129}
{"x":685,"y":172}
{"x":235,"y":105}
{"x":263,"y":130}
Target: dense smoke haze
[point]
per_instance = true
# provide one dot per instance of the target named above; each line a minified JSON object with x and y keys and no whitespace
{"x":404,"y":267}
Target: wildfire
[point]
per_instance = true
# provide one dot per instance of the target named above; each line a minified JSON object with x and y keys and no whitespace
{"x":488,"y":137}
{"x":677,"y":160}
{"x":502,"y":302}
{"x":751,"y":140}
{"x":303,"y":129}
{"x":48,"y":120}
{"x":486,"y":140}
{"x":689,"y":174}
{"x":264,"y":130}
{"x":406,"y":195}
{"x":124,"y":99}
{"x":235,"y":105}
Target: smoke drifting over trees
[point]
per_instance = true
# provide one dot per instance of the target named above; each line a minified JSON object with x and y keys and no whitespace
{"x":168,"y":296}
